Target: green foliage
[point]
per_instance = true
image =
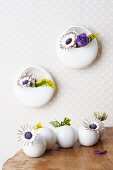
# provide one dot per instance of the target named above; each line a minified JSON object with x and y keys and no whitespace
{"x":56,"y":123}
{"x":101,"y":116}
{"x":67,"y":121}
{"x":44,"y":82}
{"x":31,"y":84}
{"x":92,"y":36}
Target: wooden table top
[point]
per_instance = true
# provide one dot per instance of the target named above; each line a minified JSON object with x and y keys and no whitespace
{"x":76,"y":158}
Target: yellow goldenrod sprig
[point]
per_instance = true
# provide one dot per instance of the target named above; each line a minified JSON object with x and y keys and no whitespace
{"x":37,"y":126}
{"x":45,"y":82}
{"x":92,"y":36}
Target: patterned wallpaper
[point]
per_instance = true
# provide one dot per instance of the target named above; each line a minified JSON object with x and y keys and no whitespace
{"x":28,"y":33}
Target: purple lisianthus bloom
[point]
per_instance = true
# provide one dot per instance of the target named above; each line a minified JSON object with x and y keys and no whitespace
{"x":82,"y":40}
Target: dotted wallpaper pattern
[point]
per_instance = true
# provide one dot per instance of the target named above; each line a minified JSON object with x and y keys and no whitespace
{"x":28,"y":33}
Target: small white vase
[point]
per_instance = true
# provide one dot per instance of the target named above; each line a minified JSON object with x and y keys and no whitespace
{"x":87,"y":137}
{"x":36,"y":149}
{"x":66,"y":136}
{"x":49,"y":136}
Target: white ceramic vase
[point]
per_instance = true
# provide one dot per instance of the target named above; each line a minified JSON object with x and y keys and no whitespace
{"x":36,"y":149}
{"x":87,"y":137}
{"x":78,"y":57}
{"x":66,"y":136}
{"x":49,"y":136}
{"x":36,"y":96}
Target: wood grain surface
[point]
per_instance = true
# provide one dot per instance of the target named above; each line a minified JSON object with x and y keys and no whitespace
{"x":76,"y":158}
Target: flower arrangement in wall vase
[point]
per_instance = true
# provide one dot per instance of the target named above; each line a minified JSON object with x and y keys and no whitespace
{"x":34,"y":87}
{"x":77,"y":47}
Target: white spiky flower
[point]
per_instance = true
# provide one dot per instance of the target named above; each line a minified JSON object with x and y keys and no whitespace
{"x":93,"y":124}
{"x":27,"y":135}
{"x":26,"y":80}
{"x":68,"y":40}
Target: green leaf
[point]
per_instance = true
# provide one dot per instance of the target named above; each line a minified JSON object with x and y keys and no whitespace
{"x":63,"y":123}
{"x":55,"y":123}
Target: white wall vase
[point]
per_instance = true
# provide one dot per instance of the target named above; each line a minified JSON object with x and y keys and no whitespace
{"x":49,"y":136}
{"x":34,"y":96}
{"x":78,"y":58}
{"x":35,"y":149}
{"x":87,"y":137}
{"x":66,"y":136}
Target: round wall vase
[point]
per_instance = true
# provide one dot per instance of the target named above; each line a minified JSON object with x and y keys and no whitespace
{"x":87,"y":137}
{"x":49,"y":136}
{"x":66,"y":136}
{"x":77,"y":58}
{"x":35,"y":149}
{"x":34,"y":96}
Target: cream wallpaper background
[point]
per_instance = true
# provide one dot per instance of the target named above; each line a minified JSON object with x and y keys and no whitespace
{"x":28,"y":33}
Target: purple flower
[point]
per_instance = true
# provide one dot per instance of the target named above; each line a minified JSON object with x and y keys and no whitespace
{"x":100,"y":152}
{"x":82,"y":40}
